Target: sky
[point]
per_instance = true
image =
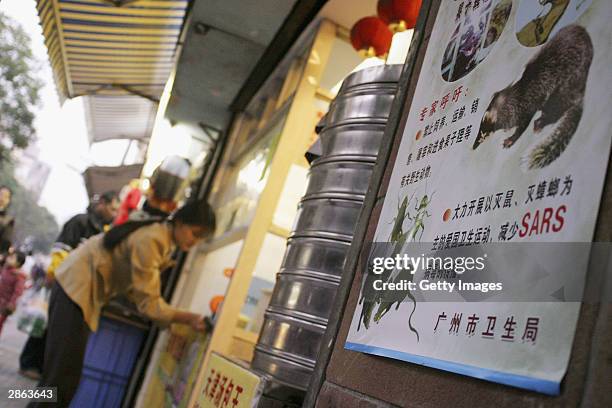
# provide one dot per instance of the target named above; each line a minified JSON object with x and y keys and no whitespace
{"x":61,"y":130}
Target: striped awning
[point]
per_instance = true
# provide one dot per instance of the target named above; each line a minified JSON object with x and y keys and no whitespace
{"x":111,"y":47}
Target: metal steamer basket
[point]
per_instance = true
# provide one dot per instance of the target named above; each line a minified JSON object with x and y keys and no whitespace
{"x":306,"y":285}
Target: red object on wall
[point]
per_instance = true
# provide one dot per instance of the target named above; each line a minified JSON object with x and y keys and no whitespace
{"x":371,"y":36}
{"x":400,"y":15}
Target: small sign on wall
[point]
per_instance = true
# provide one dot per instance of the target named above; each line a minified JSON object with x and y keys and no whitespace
{"x":229,"y":385}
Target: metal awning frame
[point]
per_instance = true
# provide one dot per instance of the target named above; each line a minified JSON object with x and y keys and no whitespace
{"x":123,"y":87}
{"x":119,"y":3}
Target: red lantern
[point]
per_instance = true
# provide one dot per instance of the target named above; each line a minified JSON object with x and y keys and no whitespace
{"x":371,"y":37}
{"x":400,"y":15}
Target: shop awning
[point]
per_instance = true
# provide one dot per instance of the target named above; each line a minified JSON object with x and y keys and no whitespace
{"x":110,"y":48}
{"x":223,"y":44}
{"x":125,"y":117}
{"x":100,"y":179}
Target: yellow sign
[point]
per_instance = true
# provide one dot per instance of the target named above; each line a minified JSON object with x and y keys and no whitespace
{"x":228,"y":385}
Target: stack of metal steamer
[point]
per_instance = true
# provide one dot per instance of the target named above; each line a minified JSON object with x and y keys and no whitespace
{"x":306,"y":285}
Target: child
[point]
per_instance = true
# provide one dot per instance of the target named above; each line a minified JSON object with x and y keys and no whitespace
{"x":12,"y":281}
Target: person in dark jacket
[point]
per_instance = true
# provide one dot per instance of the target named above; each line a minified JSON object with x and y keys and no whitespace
{"x":99,"y":216}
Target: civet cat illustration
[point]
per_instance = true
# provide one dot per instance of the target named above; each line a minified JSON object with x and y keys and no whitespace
{"x":553,"y":83}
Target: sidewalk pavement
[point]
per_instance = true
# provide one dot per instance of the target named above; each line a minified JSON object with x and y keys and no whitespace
{"x":11,"y":343}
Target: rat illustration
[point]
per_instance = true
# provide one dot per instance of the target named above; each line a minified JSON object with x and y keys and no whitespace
{"x":553,"y":83}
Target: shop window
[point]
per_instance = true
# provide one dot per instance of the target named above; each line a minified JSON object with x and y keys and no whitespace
{"x":236,"y":201}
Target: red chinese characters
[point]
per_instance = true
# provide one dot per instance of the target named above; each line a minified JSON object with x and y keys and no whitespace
{"x":221,"y":390}
{"x":441,"y":104}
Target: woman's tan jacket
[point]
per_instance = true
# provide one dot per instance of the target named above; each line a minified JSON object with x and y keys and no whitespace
{"x":91,"y":275}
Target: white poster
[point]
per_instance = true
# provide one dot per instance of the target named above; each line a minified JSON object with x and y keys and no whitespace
{"x":501,"y":164}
